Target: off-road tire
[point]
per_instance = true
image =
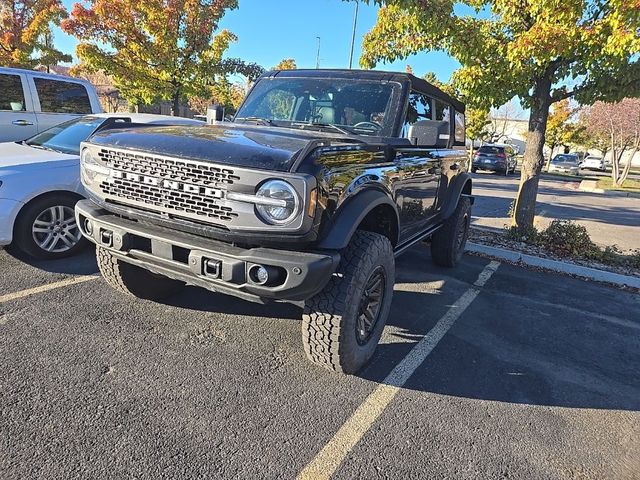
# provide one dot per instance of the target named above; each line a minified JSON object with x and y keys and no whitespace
{"x":447,"y":246}
{"x":132,"y":280}
{"x":23,"y":241}
{"x":329,"y":320}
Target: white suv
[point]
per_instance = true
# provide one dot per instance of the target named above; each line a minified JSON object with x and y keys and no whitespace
{"x":32,"y":102}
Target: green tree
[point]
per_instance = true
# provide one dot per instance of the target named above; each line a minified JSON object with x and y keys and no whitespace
{"x":156,"y":48}
{"x":25,"y":33}
{"x":541,"y":51}
{"x":286,"y":64}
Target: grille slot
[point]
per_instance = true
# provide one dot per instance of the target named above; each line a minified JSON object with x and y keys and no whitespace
{"x":161,"y":171}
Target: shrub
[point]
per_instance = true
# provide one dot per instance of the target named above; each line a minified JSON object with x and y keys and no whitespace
{"x":528,"y":235}
{"x":564,"y":237}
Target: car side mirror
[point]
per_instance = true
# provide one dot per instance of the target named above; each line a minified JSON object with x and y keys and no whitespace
{"x":429,"y":133}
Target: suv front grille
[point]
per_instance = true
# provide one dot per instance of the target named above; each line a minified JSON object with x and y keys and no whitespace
{"x":171,"y":186}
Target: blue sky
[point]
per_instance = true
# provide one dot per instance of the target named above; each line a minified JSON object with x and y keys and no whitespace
{"x":270,"y":30}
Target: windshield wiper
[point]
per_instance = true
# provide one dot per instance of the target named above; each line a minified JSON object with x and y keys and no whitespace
{"x":257,"y":120}
{"x":333,"y":126}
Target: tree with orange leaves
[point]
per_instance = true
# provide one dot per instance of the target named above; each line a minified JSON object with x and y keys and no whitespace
{"x":156,"y":49}
{"x":25,"y":33}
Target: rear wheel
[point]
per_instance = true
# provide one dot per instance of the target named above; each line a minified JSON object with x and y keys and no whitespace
{"x":341,"y":326}
{"x":447,"y":244}
{"x":132,"y":280}
{"x":46,"y":228}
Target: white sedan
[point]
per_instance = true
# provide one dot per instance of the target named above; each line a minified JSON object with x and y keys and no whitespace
{"x":593,"y":163}
{"x":40,"y":183}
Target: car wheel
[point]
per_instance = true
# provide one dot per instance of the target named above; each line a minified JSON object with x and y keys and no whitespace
{"x":46,"y":228}
{"x":448,"y":242}
{"x":132,"y":280}
{"x":341,"y":326}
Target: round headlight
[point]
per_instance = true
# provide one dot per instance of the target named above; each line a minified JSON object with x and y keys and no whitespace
{"x":280,"y":203}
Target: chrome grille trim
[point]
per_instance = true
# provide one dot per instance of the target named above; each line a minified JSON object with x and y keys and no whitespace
{"x":162,"y":167}
{"x":174,"y":186}
{"x":216,"y":194}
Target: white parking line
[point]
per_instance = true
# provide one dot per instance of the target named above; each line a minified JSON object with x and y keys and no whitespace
{"x":45,"y":288}
{"x":327,"y":461}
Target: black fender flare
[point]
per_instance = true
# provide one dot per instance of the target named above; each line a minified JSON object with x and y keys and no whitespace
{"x":454,"y":191}
{"x":350,"y":215}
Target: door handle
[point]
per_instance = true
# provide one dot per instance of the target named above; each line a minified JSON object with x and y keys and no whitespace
{"x":21,"y":123}
{"x":455,"y":166}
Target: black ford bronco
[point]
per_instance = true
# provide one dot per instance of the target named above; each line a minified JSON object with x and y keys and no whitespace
{"x":320,"y":181}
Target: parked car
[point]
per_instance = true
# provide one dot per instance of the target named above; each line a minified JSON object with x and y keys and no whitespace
{"x":321,"y":180}
{"x":496,"y":158}
{"x":593,"y":162}
{"x":40,"y":183}
{"x":32,"y":102}
{"x":565,"y":163}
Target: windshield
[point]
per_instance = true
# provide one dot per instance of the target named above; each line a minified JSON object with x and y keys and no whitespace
{"x":66,"y":137}
{"x":565,"y":159}
{"x":350,"y":106}
{"x":489,"y":149}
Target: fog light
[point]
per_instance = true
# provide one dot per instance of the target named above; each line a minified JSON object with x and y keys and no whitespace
{"x":258,"y":274}
{"x":88,"y":226}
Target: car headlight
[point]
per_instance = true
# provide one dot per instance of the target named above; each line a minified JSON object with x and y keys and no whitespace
{"x":277,"y":202}
{"x":90,"y":167}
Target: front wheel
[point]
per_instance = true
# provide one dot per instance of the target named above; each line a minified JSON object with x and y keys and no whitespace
{"x":341,"y":326}
{"x":46,"y":228}
{"x":132,"y":280}
{"x":447,"y":244}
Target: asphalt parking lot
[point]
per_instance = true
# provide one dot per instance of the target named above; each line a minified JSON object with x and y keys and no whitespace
{"x":608,"y":219}
{"x":535,"y":376}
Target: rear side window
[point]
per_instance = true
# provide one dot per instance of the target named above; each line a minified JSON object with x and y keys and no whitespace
{"x":12,"y":97}
{"x":62,"y":97}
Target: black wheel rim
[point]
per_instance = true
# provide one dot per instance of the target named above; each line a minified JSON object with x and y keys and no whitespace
{"x":370,"y":305}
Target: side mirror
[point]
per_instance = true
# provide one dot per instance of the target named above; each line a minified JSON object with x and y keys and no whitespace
{"x":215,"y":113}
{"x":430,"y":133}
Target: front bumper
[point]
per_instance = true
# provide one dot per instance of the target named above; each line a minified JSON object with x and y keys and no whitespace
{"x":211,"y":264}
{"x":8,"y":212}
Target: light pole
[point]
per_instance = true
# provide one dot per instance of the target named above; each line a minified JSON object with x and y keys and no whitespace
{"x":318,"y":54}
{"x":353,"y":34}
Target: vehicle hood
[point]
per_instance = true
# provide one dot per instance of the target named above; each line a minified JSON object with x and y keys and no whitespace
{"x":14,"y":155}
{"x":251,"y":146}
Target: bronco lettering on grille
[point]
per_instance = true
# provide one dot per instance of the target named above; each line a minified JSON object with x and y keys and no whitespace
{"x":164,"y":183}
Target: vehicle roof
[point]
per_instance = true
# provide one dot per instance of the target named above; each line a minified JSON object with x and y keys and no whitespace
{"x":417,"y":83}
{"x":147,"y":117}
{"x":53,"y":76}
{"x":501,"y":145}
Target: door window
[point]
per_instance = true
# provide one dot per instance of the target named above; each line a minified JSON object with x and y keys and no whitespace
{"x":420,"y":108}
{"x":12,"y":97}
{"x":62,"y":97}
{"x":442,"y":111}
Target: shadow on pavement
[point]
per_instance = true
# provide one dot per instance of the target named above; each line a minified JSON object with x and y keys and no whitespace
{"x":84,"y":263}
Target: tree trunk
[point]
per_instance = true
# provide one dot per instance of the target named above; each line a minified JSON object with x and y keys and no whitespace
{"x":546,"y":167}
{"x":175,"y":104}
{"x":625,"y":172}
{"x":524,"y":210}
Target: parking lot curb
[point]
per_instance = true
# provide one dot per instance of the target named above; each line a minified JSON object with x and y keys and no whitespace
{"x":554,"y":265}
